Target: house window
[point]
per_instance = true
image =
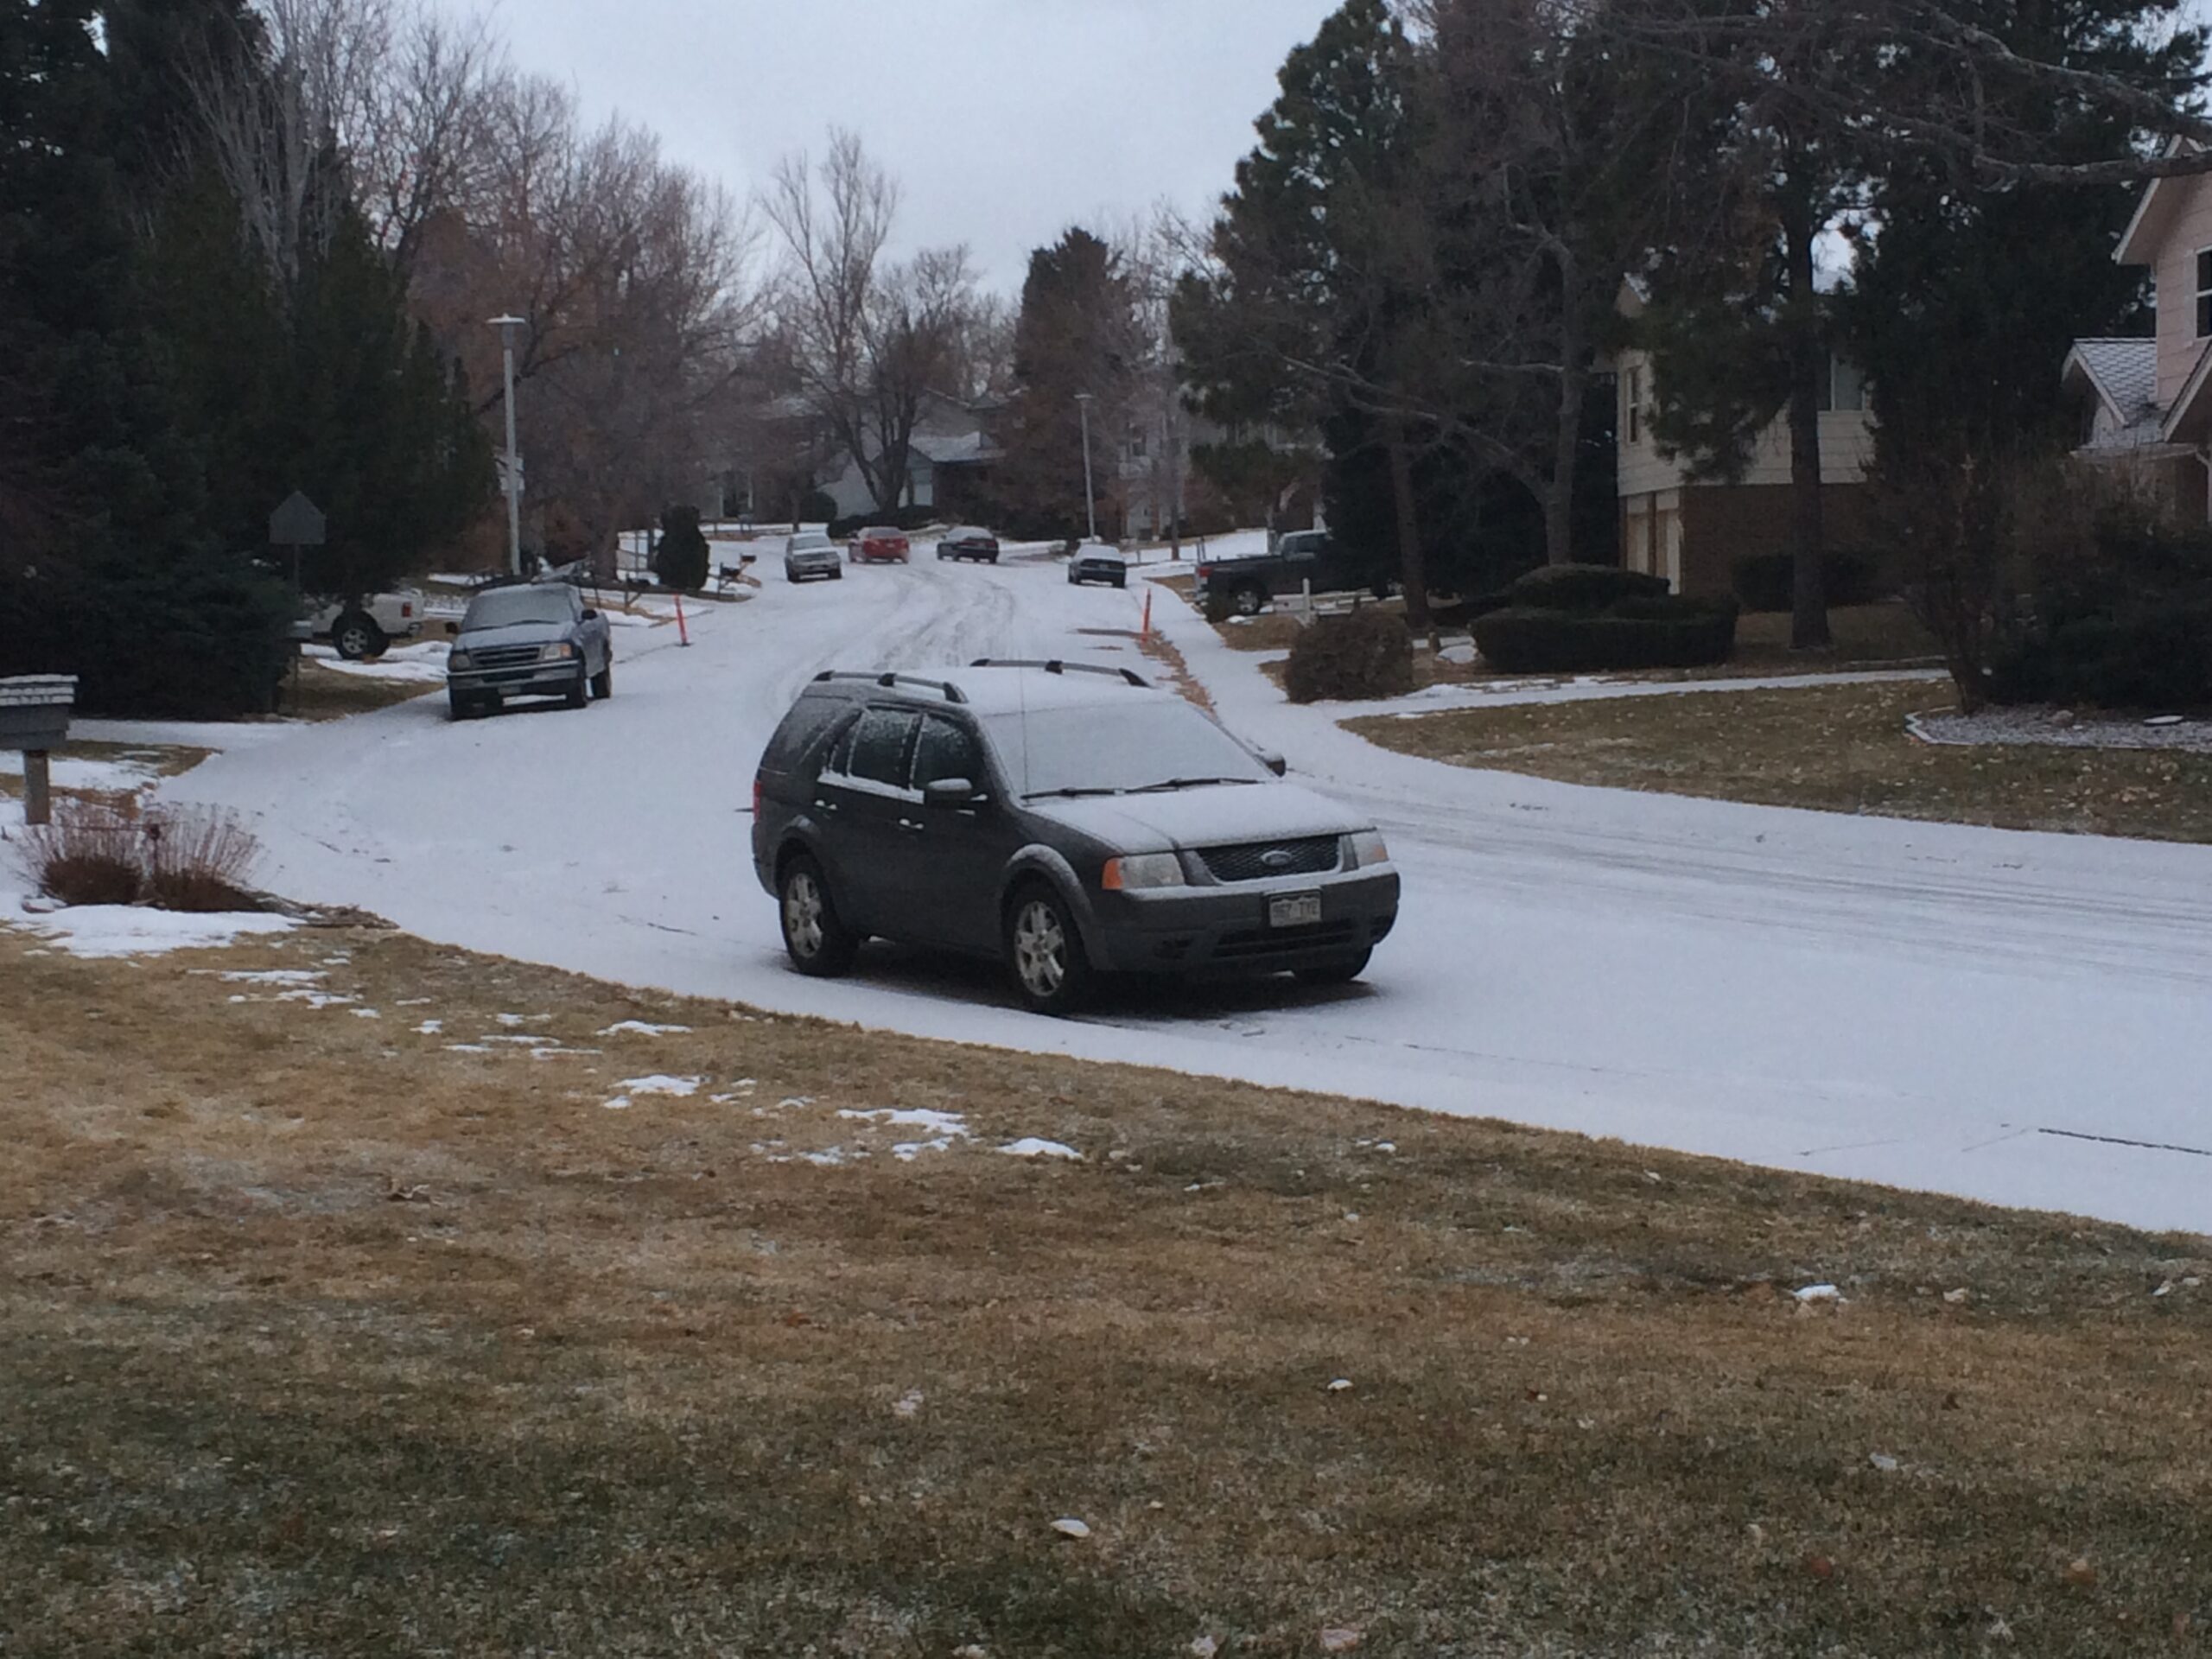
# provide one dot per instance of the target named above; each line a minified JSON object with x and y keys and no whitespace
{"x":2204,"y":293}
{"x":1635,"y":399}
{"x":1136,"y":443}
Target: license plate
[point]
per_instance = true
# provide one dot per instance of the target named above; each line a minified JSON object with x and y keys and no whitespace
{"x":1295,"y":910}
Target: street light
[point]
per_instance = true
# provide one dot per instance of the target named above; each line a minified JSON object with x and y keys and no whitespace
{"x":512,"y":482}
{"x":1089,"y":495}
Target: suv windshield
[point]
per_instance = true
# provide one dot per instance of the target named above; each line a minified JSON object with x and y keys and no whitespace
{"x":1305,"y":542}
{"x":504,"y":607}
{"x":1113,"y":750}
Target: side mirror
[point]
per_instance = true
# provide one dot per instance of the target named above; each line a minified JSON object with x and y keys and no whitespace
{"x":949,"y":794}
{"x":590,"y":615}
{"x":1273,"y":762}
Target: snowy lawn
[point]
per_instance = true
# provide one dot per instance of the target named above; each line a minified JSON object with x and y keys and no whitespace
{"x":315,"y":1329}
{"x":1839,"y":749}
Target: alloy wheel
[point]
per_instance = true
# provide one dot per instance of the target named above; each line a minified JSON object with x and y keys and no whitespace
{"x":1040,"y":949}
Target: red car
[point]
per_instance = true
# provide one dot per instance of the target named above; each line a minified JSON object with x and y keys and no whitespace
{"x":880,"y":545}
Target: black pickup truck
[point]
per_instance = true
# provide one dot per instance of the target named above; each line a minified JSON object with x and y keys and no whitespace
{"x":1300,"y":557}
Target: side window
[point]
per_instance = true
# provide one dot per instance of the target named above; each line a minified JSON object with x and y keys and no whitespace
{"x":942,"y":751}
{"x":811,"y":721}
{"x":879,"y":749}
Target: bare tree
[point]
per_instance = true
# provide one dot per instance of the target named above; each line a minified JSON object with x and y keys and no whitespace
{"x":866,"y":340}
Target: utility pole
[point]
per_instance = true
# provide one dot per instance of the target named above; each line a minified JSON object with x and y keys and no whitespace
{"x":512,"y":480}
{"x":1090,"y":493}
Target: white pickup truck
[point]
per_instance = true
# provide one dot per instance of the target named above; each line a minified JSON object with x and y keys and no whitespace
{"x":366,"y":628}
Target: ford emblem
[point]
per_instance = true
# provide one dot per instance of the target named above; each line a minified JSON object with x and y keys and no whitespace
{"x":1279,"y":859}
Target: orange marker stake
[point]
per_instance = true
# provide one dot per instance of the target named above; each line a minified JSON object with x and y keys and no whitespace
{"x":683,"y":633}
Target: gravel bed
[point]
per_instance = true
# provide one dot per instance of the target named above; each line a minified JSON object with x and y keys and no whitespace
{"x":2061,"y":729}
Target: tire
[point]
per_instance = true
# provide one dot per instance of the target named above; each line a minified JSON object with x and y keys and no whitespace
{"x":818,"y":943}
{"x":580,"y":693}
{"x":1249,"y":599}
{"x":1044,"y":953}
{"x":993,"y":558}
{"x":838,"y":575}
{"x":1380,"y":590}
{"x":1335,"y":973}
{"x":1121,"y":581}
{"x":602,"y":684}
{"x":356,"y":635}
{"x":461,"y":708}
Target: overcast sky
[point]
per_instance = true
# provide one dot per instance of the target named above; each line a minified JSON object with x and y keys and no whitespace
{"x":1004,"y":120}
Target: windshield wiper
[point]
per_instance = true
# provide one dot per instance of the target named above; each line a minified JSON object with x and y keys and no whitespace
{"x":1188,"y":783}
{"x":1070,"y":794}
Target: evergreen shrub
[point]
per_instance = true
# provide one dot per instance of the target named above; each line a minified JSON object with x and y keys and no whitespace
{"x":1359,"y":657}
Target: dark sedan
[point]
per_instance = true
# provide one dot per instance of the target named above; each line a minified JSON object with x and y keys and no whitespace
{"x":969,"y":542}
{"x":1096,"y":562}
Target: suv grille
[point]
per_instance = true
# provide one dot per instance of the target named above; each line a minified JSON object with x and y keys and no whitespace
{"x":1269,"y":861}
{"x":505,"y":657}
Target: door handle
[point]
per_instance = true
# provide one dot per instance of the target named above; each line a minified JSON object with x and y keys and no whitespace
{"x":911,"y":827}
{"x":826,"y":806}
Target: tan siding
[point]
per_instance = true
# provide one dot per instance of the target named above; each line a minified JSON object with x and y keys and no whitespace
{"x":1643,"y":469}
{"x":1847,"y":447}
{"x":2178,"y":345}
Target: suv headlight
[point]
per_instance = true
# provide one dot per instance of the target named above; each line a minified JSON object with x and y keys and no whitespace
{"x":459,"y":660}
{"x":1144,"y":872}
{"x":1367,"y":849}
{"x":559,"y":653}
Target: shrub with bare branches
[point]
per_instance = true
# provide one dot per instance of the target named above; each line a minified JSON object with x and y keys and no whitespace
{"x":198,"y":858}
{"x":90,"y":854}
{"x":106,"y":852}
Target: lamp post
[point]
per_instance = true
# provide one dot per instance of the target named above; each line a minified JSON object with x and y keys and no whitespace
{"x":512,"y":482}
{"x":1089,"y":495}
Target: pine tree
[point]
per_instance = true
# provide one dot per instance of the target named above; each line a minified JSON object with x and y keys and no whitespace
{"x":1074,"y":337}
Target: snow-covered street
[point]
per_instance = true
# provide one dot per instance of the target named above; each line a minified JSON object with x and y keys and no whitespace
{"x":2018,"y":1018}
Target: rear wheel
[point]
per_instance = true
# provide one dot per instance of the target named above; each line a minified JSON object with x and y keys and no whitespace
{"x":1336,"y":973}
{"x":1249,"y":599}
{"x":356,"y":635}
{"x":1045,"y":951}
{"x":818,"y":942}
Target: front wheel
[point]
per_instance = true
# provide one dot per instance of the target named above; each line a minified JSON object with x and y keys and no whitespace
{"x":1335,"y":973}
{"x":580,"y":693}
{"x":602,"y":684}
{"x":819,"y":943}
{"x":1052,"y":974}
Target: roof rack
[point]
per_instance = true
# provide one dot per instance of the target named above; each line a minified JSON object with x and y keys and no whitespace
{"x":950,"y":692}
{"x":1056,"y":666}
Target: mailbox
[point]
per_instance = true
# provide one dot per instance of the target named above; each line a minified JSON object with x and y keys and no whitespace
{"x":34,"y":712}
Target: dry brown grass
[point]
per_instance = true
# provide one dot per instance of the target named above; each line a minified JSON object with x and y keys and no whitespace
{"x":319,"y":1336}
{"x":1833,"y":749}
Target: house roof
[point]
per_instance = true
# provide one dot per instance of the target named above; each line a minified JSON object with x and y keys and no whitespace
{"x":2124,"y":374}
{"x":955,"y":448}
{"x":2140,"y":242}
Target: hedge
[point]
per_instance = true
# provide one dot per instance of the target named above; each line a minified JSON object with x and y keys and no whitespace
{"x":1583,"y":589}
{"x":1358,"y":656}
{"x":1768,"y":581}
{"x":1643,"y":633}
{"x":2154,"y":658}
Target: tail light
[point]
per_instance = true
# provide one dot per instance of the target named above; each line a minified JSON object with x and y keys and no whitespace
{"x":1205,"y":571}
{"x":406,"y":610}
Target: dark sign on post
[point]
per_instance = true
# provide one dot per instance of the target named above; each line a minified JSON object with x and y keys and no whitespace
{"x":298,"y":523}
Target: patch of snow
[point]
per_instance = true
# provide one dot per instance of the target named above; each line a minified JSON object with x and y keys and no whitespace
{"x":114,"y":931}
{"x":272,"y":976}
{"x":422,"y":663}
{"x":121,"y":777}
{"x":947,"y":1123}
{"x":679,"y":1087}
{"x":641,"y":1028}
{"x":431,"y":1028}
{"x":468,"y":1048}
{"x":1819,"y":1293}
{"x":1030,"y":1147}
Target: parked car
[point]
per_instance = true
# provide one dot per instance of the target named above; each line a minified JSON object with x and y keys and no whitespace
{"x":1304,"y":556}
{"x":1097,"y":562}
{"x":529,"y":639}
{"x":969,"y":543}
{"x":364,"y":627}
{"x":878,"y":545}
{"x":1068,"y":821}
{"x":812,"y":553}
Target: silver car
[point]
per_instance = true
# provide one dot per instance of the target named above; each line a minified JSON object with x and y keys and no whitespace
{"x":812,"y":553}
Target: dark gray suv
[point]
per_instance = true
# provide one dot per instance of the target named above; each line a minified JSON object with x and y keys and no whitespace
{"x":1067,"y":820}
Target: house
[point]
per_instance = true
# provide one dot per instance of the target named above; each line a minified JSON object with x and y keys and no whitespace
{"x":951,"y":448}
{"x":1692,"y":530}
{"x":2146,"y":405}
